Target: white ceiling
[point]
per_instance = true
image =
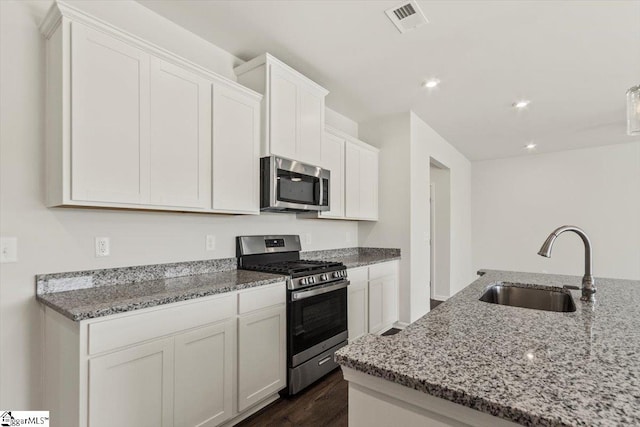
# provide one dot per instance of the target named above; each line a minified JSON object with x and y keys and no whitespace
{"x":573,"y":59}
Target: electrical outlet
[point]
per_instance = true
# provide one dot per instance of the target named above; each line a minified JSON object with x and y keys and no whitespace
{"x":102,"y":246}
{"x":210,"y":242}
{"x":307,"y":238}
{"x":8,"y":249}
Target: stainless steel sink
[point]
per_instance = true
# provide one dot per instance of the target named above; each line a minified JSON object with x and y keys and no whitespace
{"x":515,"y":295}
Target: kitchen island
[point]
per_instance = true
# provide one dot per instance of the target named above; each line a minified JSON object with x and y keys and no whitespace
{"x":470,"y":362}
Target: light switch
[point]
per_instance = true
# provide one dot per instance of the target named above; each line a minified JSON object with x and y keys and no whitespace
{"x":8,"y":249}
{"x":307,"y":238}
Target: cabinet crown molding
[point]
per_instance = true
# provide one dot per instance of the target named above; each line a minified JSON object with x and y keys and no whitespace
{"x":267,"y":58}
{"x":350,"y":138}
{"x":62,"y":10}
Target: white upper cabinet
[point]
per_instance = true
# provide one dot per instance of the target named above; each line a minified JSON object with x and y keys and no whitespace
{"x":236,"y":151}
{"x":368,"y":184}
{"x":361,"y":181}
{"x":283,"y":108}
{"x":130,"y":125}
{"x":293,"y":109}
{"x":109,"y":132}
{"x":311,"y":125}
{"x":333,"y":160}
{"x":180,"y":123}
{"x":353,"y":186}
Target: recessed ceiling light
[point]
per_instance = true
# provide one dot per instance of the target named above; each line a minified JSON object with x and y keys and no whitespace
{"x":431,"y":83}
{"x":521,"y":104}
{"x":530,"y":146}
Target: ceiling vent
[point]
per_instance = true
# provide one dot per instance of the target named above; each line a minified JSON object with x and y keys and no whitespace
{"x":406,"y":16}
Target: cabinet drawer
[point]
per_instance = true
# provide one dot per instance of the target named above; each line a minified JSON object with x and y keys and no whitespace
{"x":358,"y":274}
{"x":382,"y":270}
{"x":123,"y":331}
{"x":262,"y":297}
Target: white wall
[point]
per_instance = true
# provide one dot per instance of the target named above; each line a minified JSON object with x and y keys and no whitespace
{"x":391,"y":136}
{"x":404,"y":209}
{"x":517,"y":202}
{"x":55,"y":240}
{"x":426,"y":144}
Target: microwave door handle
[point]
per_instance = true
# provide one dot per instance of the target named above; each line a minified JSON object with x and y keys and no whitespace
{"x":321,"y":191}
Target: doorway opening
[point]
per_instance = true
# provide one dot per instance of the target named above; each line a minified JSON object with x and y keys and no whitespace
{"x":440,"y":231}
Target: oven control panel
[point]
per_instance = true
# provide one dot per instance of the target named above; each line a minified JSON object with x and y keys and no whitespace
{"x":317,"y":279}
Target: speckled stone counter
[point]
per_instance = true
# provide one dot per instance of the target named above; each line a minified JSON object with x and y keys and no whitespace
{"x":105,"y":299}
{"x":355,"y":257}
{"x":528,"y":366}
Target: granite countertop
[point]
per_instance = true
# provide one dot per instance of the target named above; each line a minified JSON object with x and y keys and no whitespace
{"x":355,"y":257}
{"x":81,"y":295}
{"x":528,"y":366}
{"x":81,"y":304}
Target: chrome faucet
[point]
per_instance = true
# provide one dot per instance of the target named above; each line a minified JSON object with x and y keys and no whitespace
{"x":588,"y":282}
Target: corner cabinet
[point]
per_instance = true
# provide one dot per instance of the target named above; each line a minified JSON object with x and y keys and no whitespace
{"x":293,"y":109}
{"x":372,"y":298}
{"x":200,"y":362}
{"x":130,"y":125}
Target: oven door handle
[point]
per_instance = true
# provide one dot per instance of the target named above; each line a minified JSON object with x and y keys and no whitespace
{"x":300,"y":295}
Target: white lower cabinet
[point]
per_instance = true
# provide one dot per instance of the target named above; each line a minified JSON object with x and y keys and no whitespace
{"x":358,"y":306}
{"x":261,"y":355}
{"x":372,"y":299}
{"x":204,"y":362}
{"x":136,"y":384}
{"x":375,"y":305}
{"x":184,"y":364}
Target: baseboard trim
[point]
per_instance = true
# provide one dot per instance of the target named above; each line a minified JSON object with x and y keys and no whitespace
{"x":400,"y":325}
{"x":249,"y":412}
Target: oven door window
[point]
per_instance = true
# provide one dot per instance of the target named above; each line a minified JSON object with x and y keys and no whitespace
{"x":316,"y":319}
{"x":298,"y":188}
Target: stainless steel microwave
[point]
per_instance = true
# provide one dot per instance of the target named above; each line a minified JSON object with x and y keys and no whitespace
{"x":291,"y":186}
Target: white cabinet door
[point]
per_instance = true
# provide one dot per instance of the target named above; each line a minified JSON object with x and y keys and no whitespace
{"x":109,"y":124}
{"x":204,"y":366}
{"x":283,"y":112}
{"x":261,"y":355}
{"x":368,"y":184}
{"x":311,"y":125}
{"x":236,"y":151}
{"x":358,"y":308}
{"x":352,"y":180}
{"x":376,"y":297}
{"x":180,"y":137}
{"x":333,"y":160}
{"x":361,"y":182}
{"x":389,"y":300}
{"x":133,"y":387}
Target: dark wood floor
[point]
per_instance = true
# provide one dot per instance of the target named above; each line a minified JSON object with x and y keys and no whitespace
{"x":322,"y":404}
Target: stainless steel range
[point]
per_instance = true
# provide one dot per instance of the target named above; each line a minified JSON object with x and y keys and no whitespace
{"x":316,"y":304}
